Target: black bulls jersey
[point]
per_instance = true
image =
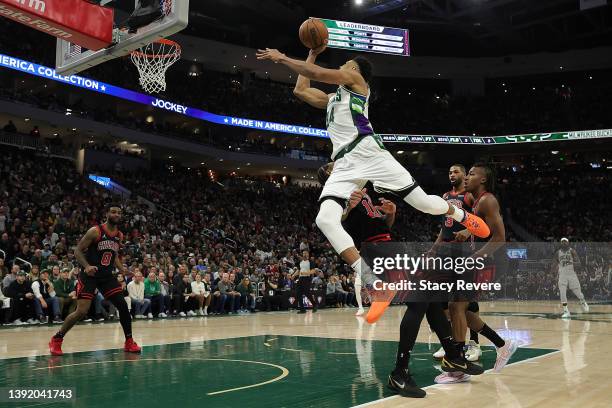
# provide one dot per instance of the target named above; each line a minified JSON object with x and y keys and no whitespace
{"x":365,"y":223}
{"x":462,"y":200}
{"x":103,"y":252}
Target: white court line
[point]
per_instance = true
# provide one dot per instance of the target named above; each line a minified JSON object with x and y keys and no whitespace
{"x":366,"y":404}
{"x":284,"y":371}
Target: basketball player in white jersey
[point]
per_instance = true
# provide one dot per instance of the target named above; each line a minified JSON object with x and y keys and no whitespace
{"x":564,"y":260}
{"x":359,"y":156}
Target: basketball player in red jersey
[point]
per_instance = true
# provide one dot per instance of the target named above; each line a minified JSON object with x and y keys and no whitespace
{"x":480,"y":182}
{"x":98,"y":253}
{"x":452,"y":231}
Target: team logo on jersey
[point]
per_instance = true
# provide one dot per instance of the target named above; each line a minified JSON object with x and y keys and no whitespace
{"x":108,"y":245}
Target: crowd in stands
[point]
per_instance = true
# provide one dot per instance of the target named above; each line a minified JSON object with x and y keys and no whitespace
{"x":225,"y":248}
{"x":559,"y":200}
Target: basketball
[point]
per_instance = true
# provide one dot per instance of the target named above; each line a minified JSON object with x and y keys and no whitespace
{"x":313,"y":33}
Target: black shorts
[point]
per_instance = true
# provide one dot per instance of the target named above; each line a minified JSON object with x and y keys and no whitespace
{"x":87,"y":285}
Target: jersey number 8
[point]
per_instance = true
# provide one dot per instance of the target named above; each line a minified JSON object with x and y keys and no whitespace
{"x":106,"y":258}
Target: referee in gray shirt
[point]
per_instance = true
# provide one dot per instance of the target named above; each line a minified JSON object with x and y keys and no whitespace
{"x":304,"y":282}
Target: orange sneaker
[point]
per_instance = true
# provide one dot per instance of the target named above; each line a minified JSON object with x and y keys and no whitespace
{"x":476,"y":225}
{"x":131,"y":346}
{"x":380,"y":302}
{"x":55,"y":347}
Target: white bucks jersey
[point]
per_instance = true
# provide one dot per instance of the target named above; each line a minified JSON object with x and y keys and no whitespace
{"x":347,"y":117}
{"x":566,"y":261}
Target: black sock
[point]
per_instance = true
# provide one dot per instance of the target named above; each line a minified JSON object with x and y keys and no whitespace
{"x":449,"y":347}
{"x":59,"y":335}
{"x":401,"y":362}
{"x":474,"y":336}
{"x":490,"y":334}
{"x":124,"y":314}
{"x":459,"y":348}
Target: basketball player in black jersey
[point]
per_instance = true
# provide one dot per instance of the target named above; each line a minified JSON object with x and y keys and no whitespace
{"x":366,"y":221}
{"x":480,"y":182}
{"x":452,"y":231}
{"x":98,"y":254}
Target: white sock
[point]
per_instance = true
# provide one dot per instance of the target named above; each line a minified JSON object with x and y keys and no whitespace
{"x":458,"y":215}
{"x":357,"y":267}
{"x":205,"y":309}
{"x":358,"y":295}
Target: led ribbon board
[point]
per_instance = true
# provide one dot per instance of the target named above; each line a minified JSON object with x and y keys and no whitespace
{"x":367,"y":38}
{"x":489,"y":140}
{"x":144,"y":99}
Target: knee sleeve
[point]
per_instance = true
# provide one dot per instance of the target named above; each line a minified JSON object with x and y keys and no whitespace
{"x":329,"y":221}
{"x":429,"y":204}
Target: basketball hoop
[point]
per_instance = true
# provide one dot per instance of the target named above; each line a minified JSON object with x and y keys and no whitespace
{"x":153,"y":60}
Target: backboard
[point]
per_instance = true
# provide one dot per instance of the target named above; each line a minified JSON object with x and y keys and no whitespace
{"x":71,"y":58}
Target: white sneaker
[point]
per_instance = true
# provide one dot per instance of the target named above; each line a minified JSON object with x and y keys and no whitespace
{"x":150,"y":315}
{"x":452,"y":378}
{"x":504,"y":354}
{"x":163,"y":315}
{"x":18,"y":322}
{"x":88,"y":320}
{"x":182,"y":314}
{"x":205,"y":313}
{"x":191,"y":313}
{"x":140,"y":316}
{"x":473,"y":351}
{"x":360,"y":311}
{"x":32,"y":321}
{"x":566,"y":314}
{"x":439,"y":354}
{"x":585,"y":307}
{"x":200,"y":312}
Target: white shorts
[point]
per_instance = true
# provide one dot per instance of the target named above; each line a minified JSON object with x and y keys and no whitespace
{"x":367,"y":162}
{"x":568,"y":280}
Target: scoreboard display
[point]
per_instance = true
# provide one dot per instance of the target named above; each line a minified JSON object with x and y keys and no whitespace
{"x":367,"y":37}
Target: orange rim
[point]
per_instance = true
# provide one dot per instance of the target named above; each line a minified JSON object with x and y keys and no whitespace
{"x":163,"y":41}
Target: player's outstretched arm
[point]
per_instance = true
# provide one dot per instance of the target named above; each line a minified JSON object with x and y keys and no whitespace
{"x":303,"y":91}
{"x":90,"y":236}
{"x":314,"y":72}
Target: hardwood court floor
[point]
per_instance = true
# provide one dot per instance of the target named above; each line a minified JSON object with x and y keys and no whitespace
{"x":327,"y":359}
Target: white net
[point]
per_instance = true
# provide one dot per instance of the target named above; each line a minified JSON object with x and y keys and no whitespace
{"x":152,"y":61}
{"x":167,"y":6}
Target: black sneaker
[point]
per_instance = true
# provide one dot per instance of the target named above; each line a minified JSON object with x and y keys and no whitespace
{"x":460,"y":364}
{"x":402,"y":382}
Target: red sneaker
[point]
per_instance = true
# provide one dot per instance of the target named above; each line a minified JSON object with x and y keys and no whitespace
{"x":55,"y":347}
{"x":131,"y":346}
{"x":476,"y":225}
